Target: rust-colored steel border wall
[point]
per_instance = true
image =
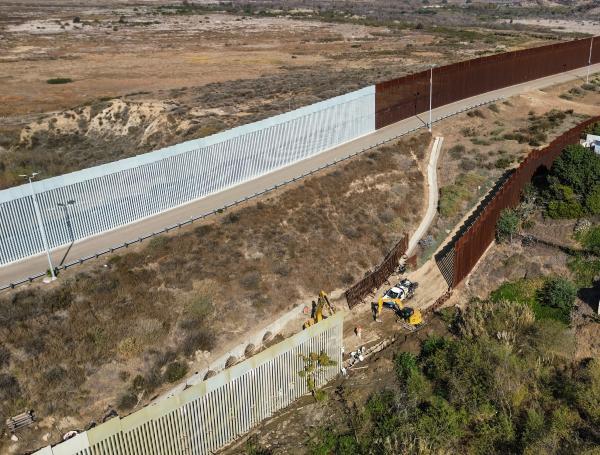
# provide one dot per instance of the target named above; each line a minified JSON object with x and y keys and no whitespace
{"x":373,"y":280}
{"x":477,"y":237}
{"x":401,"y":98}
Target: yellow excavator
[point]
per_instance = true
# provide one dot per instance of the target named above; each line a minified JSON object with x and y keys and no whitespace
{"x":317,"y":309}
{"x":413,"y":318}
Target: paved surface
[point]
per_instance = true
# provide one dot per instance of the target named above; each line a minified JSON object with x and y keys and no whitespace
{"x":19,"y":270}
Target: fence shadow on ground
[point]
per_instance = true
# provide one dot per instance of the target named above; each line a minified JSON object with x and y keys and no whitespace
{"x":445,"y":257}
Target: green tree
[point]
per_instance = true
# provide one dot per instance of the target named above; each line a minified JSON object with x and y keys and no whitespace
{"x":406,"y":365}
{"x":533,"y":427}
{"x":314,"y":365}
{"x":577,"y":167}
{"x":592,"y":200}
{"x":440,"y":423}
{"x":559,"y":293}
{"x":507,"y":225}
{"x":381,"y":409}
{"x":564,"y":203}
{"x":591,"y":239}
{"x":410,"y":377}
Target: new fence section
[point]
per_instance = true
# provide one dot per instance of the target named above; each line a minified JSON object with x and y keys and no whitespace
{"x":479,"y":232}
{"x":404,"y":97}
{"x":129,"y":190}
{"x":377,"y":277}
{"x":108,"y":196}
{"x":211,"y":414}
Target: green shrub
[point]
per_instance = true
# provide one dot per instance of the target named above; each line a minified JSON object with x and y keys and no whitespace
{"x":590,"y":239}
{"x":59,"y":80}
{"x":9,"y":387}
{"x":503,"y":162}
{"x":476,"y":113}
{"x":457,"y":151}
{"x":587,"y":391}
{"x":175,"y":371}
{"x":577,"y":167}
{"x":568,"y":210}
{"x":528,"y":291}
{"x":469,"y":131}
{"x":522,"y":291}
{"x":480,"y":141}
{"x":576,"y":91}
{"x":127,"y":401}
{"x":494,"y":108}
{"x":440,"y":422}
{"x":4,"y":356}
{"x":507,"y":225}
{"x":467,"y":164}
{"x":594,"y":128}
{"x":250,"y":280}
{"x":564,"y":203}
{"x":198,"y":339}
{"x":592,"y":200}
{"x":159,"y":244}
{"x":559,"y":293}
{"x":405,"y":365}
{"x":584,"y":269}
{"x":452,"y":197}
{"x":516,"y":136}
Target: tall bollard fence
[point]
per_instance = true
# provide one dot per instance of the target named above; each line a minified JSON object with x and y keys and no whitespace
{"x":377,"y":277}
{"x":459,"y":256}
{"x":210,"y":415}
{"x":126,"y":191}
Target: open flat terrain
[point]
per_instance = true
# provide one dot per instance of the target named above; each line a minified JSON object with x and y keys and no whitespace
{"x":137,"y":78}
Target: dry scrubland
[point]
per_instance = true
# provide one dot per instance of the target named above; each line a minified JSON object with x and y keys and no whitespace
{"x":74,"y":348}
{"x":249,"y":264}
{"x":527,"y":265}
{"x":128,"y":92}
{"x":484,"y":143}
{"x":85,"y":85}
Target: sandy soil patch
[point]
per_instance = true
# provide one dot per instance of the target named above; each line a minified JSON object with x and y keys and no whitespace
{"x":563,"y":25}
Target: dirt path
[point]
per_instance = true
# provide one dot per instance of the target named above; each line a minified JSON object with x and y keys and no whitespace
{"x":431,"y":282}
{"x":433,"y":194}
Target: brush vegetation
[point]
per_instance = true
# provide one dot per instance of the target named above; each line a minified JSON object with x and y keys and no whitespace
{"x":503,"y":382}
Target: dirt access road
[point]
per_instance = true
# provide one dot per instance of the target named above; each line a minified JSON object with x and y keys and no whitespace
{"x":87,"y":247}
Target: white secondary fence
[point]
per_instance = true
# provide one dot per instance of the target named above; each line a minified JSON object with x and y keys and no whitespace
{"x":125,"y":191}
{"x":209,"y":415}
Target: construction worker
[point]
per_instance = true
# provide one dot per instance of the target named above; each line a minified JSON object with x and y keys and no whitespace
{"x":376,"y":309}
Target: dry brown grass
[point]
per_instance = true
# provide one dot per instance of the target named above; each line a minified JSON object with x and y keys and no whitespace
{"x":179,"y":294}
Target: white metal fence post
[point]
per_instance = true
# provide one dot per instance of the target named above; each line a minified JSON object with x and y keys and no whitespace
{"x":40,"y":222}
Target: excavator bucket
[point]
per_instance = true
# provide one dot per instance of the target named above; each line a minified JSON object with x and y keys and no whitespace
{"x":416,"y":318}
{"x":324,"y":302}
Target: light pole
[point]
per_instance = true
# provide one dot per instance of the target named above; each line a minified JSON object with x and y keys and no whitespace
{"x":587,"y":78}
{"x":39,"y":220}
{"x":430,"y":94}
